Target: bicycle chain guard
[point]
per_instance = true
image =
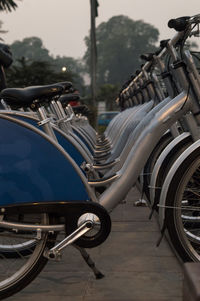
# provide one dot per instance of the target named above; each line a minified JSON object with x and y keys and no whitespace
{"x":73,"y":213}
{"x":99,"y":233}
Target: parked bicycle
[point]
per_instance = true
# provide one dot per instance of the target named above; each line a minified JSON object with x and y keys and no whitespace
{"x":59,"y":176}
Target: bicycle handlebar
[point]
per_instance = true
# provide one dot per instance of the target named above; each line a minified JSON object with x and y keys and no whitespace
{"x":179,"y":24}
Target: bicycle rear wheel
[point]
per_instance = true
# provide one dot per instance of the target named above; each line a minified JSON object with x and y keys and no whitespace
{"x":17,"y":273}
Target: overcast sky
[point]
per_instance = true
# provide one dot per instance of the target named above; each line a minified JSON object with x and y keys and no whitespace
{"x":63,"y":24}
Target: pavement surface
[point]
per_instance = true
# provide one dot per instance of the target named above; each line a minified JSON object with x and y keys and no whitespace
{"x":134,"y":268}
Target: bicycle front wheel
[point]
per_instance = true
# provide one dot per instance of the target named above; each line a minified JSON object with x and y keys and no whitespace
{"x":183,"y":213}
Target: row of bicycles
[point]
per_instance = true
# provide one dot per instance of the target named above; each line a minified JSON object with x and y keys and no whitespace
{"x":60,"y":179}
{"x":168,"y":135}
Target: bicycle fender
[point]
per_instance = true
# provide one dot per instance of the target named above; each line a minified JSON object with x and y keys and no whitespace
{"x":34,"y":168}
{"x":172,"y":146}
{"x":191,"y":152}
{"x":73,"y":149}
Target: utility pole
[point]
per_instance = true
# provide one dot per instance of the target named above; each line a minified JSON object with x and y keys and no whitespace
{"x":93,"y":52}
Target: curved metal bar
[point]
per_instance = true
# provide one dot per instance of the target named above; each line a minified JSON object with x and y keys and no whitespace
{"x":106,"y":166}
{"x":31,"y":227}
{"x":142,"y":148}
{"x":103,"y":182}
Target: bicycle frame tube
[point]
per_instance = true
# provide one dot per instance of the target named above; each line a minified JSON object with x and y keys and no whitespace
{"x":143,"y":146}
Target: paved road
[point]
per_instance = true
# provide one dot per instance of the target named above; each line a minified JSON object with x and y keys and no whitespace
{"x":135,"y":269}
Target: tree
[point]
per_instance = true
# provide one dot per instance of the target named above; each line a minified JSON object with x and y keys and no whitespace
{"x":73,"y":66}
{"x":7,"y":5}
{"x":32,"y":49}
{"x":108,"y":93}
{"x":120,"y":42}
{"x":34,"y":73}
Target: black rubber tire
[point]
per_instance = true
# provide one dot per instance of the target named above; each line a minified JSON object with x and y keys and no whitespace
{"x":163,"y":142}
{"x":184,"y":247}
{"x":33,"y":265}
{"x":103,"y":232}
{"x":169,"y":160}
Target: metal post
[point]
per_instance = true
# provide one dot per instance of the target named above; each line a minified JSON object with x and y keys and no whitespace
{"x":93,"y":53}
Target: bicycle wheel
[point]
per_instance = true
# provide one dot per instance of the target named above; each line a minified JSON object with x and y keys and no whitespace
{"x":183,"y":218}
{"x":12,"y":251}
{"x":164,"y":166}
{"x":148,"y":168}
{"x":16,"y":273}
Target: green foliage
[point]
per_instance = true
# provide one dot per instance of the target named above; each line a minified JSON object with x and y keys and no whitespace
{"x":32,"y":51}
{"x":7,"y":5}
{"x":108,"y":93}
{"x":120,"y":42}
{"x":35,"y":73}
{"x":72,"y":65}
{"x":69,"y":62}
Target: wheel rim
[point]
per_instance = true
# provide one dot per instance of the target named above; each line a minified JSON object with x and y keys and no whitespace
{"x":13,"y":271}
{"x":187,"y":212}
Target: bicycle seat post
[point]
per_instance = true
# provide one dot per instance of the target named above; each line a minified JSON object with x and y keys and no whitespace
{"x":45,"y":122}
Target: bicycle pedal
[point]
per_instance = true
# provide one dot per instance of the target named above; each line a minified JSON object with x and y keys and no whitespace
{"x":53,"y":255}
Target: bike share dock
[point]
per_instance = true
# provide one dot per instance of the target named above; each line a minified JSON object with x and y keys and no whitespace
{"x":135,"y":269}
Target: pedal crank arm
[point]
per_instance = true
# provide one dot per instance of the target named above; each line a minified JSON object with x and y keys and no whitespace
{"x":55,"y":252}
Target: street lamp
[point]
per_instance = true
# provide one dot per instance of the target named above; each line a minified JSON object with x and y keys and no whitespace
{"x":64,"y":69}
